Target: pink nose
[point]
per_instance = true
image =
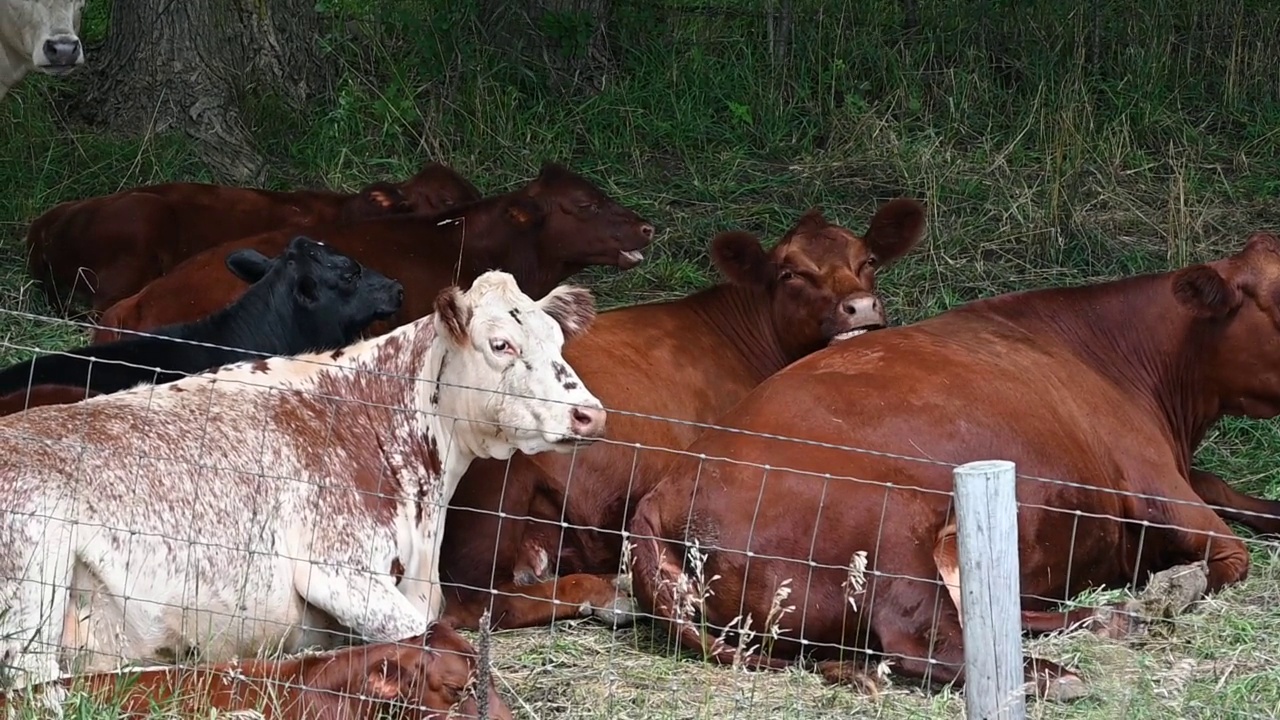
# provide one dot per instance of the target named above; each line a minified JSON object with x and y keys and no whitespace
{"x":587,"y":422}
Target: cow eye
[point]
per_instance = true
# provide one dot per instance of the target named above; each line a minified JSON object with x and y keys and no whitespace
{"x":590,"y":207}
{"x":786,"y":275}
{"x":500,"y":347}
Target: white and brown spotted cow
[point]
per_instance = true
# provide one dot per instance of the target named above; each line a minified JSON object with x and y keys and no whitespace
{"x":196,"y":517}
{"x":38,"y":35}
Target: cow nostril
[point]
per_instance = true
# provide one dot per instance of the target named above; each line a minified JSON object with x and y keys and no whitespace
{"x":646,"y":230}
{"x":850,"y":309}
{"x":587,"y":422}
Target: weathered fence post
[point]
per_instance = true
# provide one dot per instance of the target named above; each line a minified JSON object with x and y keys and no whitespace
{"x":990,"y":589}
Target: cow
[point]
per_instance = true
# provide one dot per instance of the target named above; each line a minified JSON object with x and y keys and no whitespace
{"x":426,"y":677}
{"x":308,"y":299}
{"x":687,"y":359}
{"x":1098,"y":393}
{"x":38,"y":35}
{"x":265,"y":505}
{"x":543,"y":232}
{"x":106,"y":248}
{"x":37,"y":395}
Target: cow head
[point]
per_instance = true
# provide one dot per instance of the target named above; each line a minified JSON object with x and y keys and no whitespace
{"x":504,"y":373}
{"x":43,"y":33}
{"x":1236,"y":302}
{"x":579,"y":224}
{"x":431,"y":683}
{"x":821,"y":278}
{"x":332,"y":298}
{"x":436,"y":188}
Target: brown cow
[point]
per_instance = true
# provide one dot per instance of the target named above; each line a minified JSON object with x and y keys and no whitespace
{"x":107,"y":248}
{"x":427,"y":677}
{"x":541,"y":233}
{"x":688,"y":359}
{"x":38,"y":395}
{"x":1099,"y":394}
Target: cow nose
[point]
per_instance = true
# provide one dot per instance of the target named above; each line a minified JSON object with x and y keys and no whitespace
{"x":647,"y":231}
{"x":62,"y":50}
{"x":863,"y":307}
{"x":587,"y":422}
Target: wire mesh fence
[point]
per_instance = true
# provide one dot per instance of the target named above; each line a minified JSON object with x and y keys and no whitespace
{"x":750,"y":620}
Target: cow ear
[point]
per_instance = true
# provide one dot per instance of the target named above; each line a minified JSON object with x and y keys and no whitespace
{"x":573,"y":307}
{"x":741,"y":258}
{"x":812,"y":220}
{"x":453,"y":315}
{"x":384,"y":679}
{"x":896,"y":228}
{"x":1203,"y":291}
{"x":524,"y":212}
{"x":249,"y":265}
{"x":385,"y":198}
{"x":307,"y":290}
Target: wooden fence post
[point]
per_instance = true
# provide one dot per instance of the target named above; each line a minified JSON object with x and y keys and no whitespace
{"x":990,"y":589}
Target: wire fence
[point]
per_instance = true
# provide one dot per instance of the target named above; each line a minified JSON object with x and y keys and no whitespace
{"x":866,"y":592}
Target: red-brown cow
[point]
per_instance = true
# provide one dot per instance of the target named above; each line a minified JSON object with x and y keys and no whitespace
{"x":38,"y":395}
{"x":423,"y":678}
{"x":541,"y":233}
{"x":107,"y":248}
{"x":687,"y":359}
{"x":1099,"y":394}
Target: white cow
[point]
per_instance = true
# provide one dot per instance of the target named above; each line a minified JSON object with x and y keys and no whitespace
{"x":197,"y":517}
{"x":38,"y":35}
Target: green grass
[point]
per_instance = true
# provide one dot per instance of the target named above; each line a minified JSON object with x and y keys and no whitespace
{"x":1039,"y":168}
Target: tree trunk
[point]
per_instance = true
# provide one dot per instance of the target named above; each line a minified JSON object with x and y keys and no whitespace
{"x":186,"y":65}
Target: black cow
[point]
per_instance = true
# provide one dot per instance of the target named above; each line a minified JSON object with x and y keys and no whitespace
{"x":310,"y":298}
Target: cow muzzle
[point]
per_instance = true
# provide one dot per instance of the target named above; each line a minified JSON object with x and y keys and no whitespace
{"x":855,"y":315}
{"x":61,"y":54}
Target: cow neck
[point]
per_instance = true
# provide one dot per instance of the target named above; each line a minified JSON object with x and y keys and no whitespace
{"x":1133,"y":332}
{"x":517,"y":253}
{"x":11,"y":68}
{"x":743,"y":317}
{"x":419,"y":448}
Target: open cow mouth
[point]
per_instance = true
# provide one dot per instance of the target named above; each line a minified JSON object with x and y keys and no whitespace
{"x":855,"y":332}
{"x":628,"y":259}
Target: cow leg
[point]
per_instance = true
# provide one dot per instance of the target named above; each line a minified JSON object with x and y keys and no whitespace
{"x":1192,"y":528}
{"x":540,"y":604}
{"x":39,"y":557}
{"x":1109,"y":620}
{"x":904,"y":624}
{"x":369,"y":604}
{"x":1255,"y":513}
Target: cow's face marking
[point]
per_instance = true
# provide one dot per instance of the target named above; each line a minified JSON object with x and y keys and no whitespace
{"x":537,"y":402}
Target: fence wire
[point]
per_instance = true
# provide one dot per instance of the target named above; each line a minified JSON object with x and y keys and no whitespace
{"x":624,"y":672}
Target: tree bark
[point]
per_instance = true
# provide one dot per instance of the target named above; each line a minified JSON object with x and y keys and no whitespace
{"x":186,"y":65}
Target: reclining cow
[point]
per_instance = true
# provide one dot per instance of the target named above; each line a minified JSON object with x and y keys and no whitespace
{"x":265,"y":505}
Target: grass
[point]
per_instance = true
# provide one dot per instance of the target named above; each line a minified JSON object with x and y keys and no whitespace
{"x":1040,"y":164}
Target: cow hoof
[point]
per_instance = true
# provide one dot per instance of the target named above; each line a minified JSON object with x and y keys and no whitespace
{"x":44,"y":701}
{"x":1117,"y":623}
{"x":1065,"y":689}
{"x":622,"y":581}
{"x":1170,"y":592}
{"x":536,"y":571}
{"x":619,"y":614}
